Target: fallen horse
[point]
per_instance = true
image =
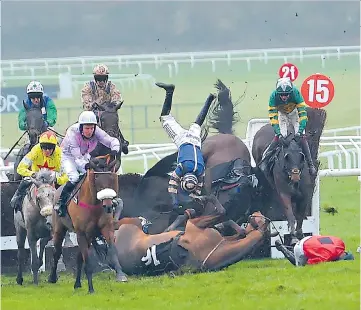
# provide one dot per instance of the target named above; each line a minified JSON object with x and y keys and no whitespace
{"x":200,"y":247}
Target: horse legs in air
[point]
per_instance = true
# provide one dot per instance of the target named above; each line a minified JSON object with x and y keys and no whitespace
{"x":20,"y":240}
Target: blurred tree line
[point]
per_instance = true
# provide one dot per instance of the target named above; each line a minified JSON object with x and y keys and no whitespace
{"x":65,"y":28}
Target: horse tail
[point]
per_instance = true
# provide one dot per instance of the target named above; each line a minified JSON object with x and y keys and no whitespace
{"x":222,"y":116}
{"x":315,"y":125}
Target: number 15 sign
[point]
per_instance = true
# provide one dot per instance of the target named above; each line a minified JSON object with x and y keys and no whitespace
{"x":317,"y":90}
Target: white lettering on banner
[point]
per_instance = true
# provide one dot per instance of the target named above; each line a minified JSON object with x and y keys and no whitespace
{"x":8,"y":104}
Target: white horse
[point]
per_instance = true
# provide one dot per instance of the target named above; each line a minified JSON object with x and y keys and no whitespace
{"x":34,"y":221}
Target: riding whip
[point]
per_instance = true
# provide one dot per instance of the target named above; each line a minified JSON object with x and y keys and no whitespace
{"x":16,"y":143}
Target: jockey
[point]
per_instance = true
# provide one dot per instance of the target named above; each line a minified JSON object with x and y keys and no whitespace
{"x":37,"y":98}
{"x":81,"y":139}
{"x":286,"y":106}
{"x":99,"y":91}
{"x":46,"y":154}
{"x":189,"y":173}
{"x":316,"y":249}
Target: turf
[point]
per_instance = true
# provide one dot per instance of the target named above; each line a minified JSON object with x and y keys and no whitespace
{"x":263,"y":284}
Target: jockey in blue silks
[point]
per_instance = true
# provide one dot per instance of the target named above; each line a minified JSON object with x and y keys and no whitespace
{"x":189,"y":174}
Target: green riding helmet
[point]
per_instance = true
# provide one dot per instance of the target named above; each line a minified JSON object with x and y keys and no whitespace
{"x":284,"y":87}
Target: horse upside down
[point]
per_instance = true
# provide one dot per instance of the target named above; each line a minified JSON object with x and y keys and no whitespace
{"x":201,"y":247}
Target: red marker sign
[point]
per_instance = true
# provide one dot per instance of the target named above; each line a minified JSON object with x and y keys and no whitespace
{"x":288,"y":70}
{"x":317,"y":90}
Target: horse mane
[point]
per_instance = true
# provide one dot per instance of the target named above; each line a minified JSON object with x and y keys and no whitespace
{"x":222,"y":116}
{"x":129,"y":179}
{"x":314,"y":128}
{"x":45,"y":176}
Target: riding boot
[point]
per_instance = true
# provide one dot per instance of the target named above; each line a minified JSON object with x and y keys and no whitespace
{"x":61,"y":206}
{"x":306,"y":150}
{"x":167,"y":105}
{"x":17,"y":200}
{"x":264,"y":162}
{"x":202,"y":115}
{"x":287,"y":253}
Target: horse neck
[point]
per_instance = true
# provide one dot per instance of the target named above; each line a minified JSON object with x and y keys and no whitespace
{"x":87,"y":193}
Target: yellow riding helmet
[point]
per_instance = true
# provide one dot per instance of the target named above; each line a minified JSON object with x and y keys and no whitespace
{"x":48,"y":137}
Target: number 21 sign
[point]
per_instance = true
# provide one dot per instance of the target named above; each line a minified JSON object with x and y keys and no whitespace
{"x":317,"y":90}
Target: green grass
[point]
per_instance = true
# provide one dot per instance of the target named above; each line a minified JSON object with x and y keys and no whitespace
{"x":262,"y":284}
{"x":193,"y":86}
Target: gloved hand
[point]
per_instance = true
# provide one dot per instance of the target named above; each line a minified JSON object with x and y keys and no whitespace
{"x":113,"y":153}
{"x":33,"y":175}
{"x":298,"y":136}
{"x":125,"y":144}
{"x":281,"y":139}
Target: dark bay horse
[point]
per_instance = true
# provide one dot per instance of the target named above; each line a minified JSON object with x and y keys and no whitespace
{"x":201,"y":247}
{"x":228,"y":173}
{"x":287,"y":182}
{"x":35,"y":127}
{"x":90,"y":216}
{"x":107,"y":115}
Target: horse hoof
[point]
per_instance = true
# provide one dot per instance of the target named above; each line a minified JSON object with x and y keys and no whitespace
{"x":20,"y":281}
{"x":91,"y":291}
{"x":122,"y":278}
{"x":52,"y":279}
{"x":77,"y":285}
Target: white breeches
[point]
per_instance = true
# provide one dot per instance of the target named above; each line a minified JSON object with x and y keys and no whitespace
{"x":70,"y":169}
{"x":285,"y":120}
{"x":173,"y":129}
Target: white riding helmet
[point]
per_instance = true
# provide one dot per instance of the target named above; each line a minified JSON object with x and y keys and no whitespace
{"x":87,"y":117}
{"x":34,"y":87}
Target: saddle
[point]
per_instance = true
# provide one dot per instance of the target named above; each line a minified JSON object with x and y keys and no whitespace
{"x":225,"y":175}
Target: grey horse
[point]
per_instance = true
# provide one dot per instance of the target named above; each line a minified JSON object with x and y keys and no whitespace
{"x":34,"y":222}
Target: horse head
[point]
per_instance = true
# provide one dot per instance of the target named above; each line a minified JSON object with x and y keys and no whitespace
{"x":293,"y":161}
{"x":35,"y":122}
{"x":109,"y":119}
{"x":45,"y":190}
{"x":105,"y":180}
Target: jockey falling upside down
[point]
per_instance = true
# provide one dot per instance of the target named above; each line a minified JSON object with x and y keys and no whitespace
{"x":286,"y":106}
{"x":189,"y":174}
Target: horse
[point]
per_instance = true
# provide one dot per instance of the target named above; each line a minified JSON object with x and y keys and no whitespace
{"x":33,"y":221}
{"x":200,"y":247}
{"x":108,"y":120}
{"x":90,"y":215}
{"x":287,"y":181}
{"x":228,"y":173}
{"x":35,"y":127}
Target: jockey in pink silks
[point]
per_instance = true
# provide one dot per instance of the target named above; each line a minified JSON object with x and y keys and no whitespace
{"x":80,"y":140}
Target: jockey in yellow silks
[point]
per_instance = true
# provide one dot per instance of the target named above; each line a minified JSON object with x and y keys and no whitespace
{"x":46,"y":154}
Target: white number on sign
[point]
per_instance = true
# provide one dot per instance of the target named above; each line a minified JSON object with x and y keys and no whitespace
{"x":321,"y":94}
{"x":287,"y":70}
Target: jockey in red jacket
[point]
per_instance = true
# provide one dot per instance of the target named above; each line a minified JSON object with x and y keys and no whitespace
{"x":316,"y":249}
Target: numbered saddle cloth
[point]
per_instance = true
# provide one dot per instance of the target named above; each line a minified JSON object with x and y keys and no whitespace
{"x":164,"y":257}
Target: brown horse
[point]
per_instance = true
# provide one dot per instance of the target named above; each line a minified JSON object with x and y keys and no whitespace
{"x":90,"y":216}
{"x":201,"y":247}
{"x":287,"y":181}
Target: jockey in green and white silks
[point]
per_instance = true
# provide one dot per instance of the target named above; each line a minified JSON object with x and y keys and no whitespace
{"x":286,"y":106}
{"x":189,"y":174}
